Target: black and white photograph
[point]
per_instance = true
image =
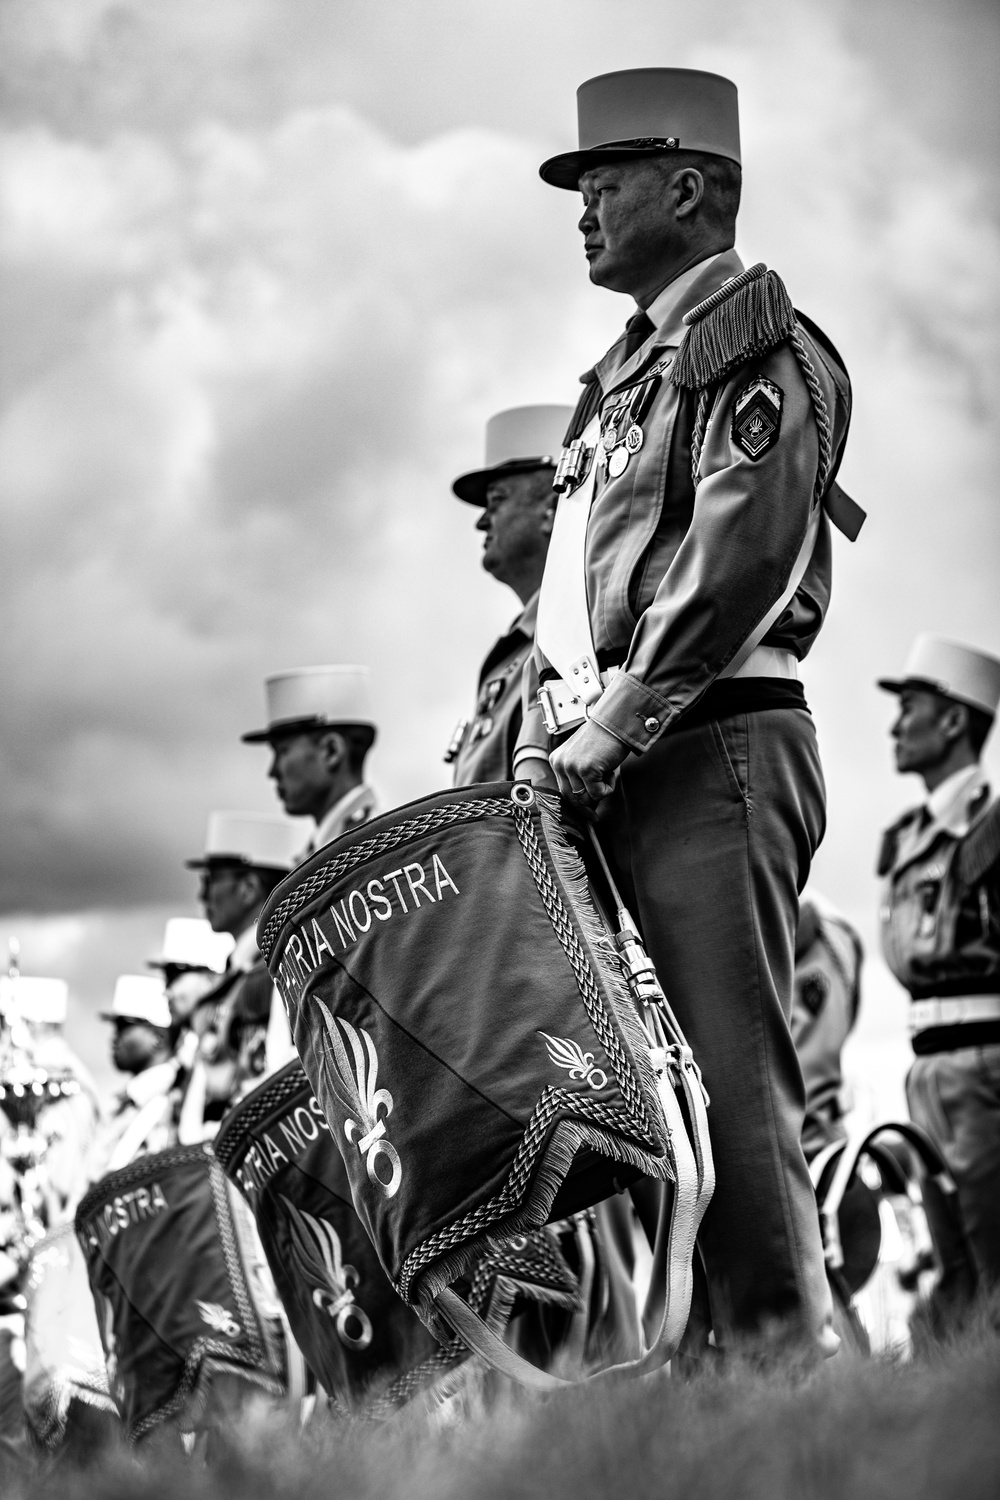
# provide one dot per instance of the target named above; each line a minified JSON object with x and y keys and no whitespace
{"x":499,"y":787}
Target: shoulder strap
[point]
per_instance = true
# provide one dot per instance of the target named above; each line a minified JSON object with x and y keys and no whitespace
{"x":979,"y":851}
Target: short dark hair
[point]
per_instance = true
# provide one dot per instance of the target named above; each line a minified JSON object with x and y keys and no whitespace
{"x":358,"y":738}
{"x":268,"y":878}
{"x":723,"y":181}
{"x":980,"y":724}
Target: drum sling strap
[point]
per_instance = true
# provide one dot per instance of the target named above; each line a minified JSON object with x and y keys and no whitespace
{"x":865,"y":1142}
{"x":683,"y":1202}
{"x":564,"y":633}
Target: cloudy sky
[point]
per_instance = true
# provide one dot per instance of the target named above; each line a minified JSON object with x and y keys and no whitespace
{"x":268,"y":265}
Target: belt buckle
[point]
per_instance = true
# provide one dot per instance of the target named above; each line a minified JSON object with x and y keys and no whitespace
{"x":560,"y":712}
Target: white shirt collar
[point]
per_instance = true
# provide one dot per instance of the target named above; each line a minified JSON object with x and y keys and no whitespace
{"x":952,"y":795}
{"x":245,"y":951}
{"x":666,"y":303}
{"x":336,"y":820}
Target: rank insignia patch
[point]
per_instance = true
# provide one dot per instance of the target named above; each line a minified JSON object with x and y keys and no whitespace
{"x":757,"y":417}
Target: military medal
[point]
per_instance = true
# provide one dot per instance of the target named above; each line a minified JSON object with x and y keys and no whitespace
{"x":618,"y":461}
{"x":633,"y":438}
{"x":609,"y":437}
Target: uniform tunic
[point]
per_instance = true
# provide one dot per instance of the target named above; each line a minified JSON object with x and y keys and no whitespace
{"x":487,"y":748}
{"x":717,"y":815}
{"x":940,"y":919}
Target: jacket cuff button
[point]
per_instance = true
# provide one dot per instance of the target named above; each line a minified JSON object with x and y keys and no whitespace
{"x":651,"y":725}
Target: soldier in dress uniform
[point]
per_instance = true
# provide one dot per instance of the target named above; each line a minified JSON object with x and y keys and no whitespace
{"x":246,"y":855}
{"x":320,"y":729}
{"x":940,"y":921}
{"x":142,"y":1117}
{"x":687,"y":576}
{"x":514,"y":492}
{"x":192,"y":958}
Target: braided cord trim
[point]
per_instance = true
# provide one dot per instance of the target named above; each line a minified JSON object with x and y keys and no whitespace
{"x":551,"y":1102}
{"x":698,"y":435}
{"x":565,"y":931}
{"x":136,"y":1174}
{"x":234,"y":1264}
{"x":822,"y":412}
{"x":389,"y":838}
{"x":265,"y":1100}
{"x":724,"y":292}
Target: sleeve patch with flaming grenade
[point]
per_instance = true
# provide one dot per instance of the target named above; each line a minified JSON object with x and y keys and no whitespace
{"x":757,"y":417}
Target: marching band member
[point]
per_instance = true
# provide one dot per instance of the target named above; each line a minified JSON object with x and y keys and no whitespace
{"x":688,"y":574}
{"x":514,"y":492}
{"x":246,"y":855}
{"x":142,"y":1117}
{"x":320,"y":729}
{"x":192,"y":959}
{"x":940,"y":922}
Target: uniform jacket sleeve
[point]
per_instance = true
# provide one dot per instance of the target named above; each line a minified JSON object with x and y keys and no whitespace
{"x":749,"y":522}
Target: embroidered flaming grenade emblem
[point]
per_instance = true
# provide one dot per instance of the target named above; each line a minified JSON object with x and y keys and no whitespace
{"x":218,"y":1318}
{"x":321,"y":1258}
{"x":353,"y":1081}
{"x":568,"y":1054}
{"x":757,"y":417}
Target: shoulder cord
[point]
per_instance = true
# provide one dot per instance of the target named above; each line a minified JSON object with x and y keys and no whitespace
{"x":822,"y":413}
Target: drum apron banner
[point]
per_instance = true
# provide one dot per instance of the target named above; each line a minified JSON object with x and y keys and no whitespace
{"x":357,"y":1336}
{"x":455,"y":997}
{"x":171,"y":1289}
{"x":64,"y":1360}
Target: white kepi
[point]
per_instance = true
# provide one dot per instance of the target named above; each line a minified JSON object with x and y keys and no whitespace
{"x":518,"y":440}
{"x":261,"y":841}
{"x":956,"y":671}
{"x":315,"y":698}
{"x":190,"y":943}
{"x":139,"y":997}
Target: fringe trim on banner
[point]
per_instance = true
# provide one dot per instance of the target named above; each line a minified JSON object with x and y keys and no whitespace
{"x":745,"y":317}
{"x":419,"y":1284}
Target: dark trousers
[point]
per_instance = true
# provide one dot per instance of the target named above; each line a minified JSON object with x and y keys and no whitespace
{"x":712,"y":831}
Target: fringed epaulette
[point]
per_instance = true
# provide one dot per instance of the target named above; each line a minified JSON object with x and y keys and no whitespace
{"x":748,"y":315}
{"x":979,"y":851}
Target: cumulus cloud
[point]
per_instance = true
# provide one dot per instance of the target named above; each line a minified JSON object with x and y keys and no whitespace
{"x":268,"y":267}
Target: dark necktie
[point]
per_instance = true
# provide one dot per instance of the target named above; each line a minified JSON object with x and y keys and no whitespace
{"x":637,"y":331}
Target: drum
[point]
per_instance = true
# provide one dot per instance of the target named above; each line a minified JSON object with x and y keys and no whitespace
{"x":64,"y":1361}
{"x":356,"y":1334}
{"x":169,"y":1276}
{"x":461,"y":1012}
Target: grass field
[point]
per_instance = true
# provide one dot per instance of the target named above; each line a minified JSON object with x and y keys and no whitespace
{"x":853,"y":1429}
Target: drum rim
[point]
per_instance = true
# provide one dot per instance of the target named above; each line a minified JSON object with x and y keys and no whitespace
{"x":283,"y":1085}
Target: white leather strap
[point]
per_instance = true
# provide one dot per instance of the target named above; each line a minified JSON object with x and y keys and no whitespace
{"x":684,"y":1204}
{"x":796,"y":576}
{"x":563,"y":628}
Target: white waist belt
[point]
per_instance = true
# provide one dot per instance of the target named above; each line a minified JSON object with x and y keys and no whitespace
{"x":954,"y":1010}
{"x":766,"y":661}
{"x":563,"y":708}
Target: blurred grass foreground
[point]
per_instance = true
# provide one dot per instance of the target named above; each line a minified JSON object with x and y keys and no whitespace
{"x":857,"y":1428}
